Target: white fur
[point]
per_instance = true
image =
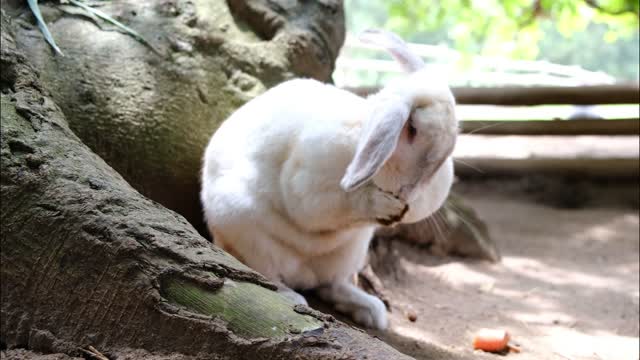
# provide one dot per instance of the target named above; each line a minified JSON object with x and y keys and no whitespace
{"x":271,"y":185}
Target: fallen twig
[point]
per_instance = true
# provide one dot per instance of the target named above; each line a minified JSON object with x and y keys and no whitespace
{"x":93,"y":352}
{"x":369,"y":282}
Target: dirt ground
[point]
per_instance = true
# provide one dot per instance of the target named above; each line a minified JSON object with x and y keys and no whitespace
{"x":566,"y":288}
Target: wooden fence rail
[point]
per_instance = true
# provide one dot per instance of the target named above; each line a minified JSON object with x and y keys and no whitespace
{"x":539,"y":95}
{"x":555,"y":127}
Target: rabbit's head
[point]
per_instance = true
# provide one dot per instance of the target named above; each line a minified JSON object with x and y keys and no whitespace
{"x":410,"y":130}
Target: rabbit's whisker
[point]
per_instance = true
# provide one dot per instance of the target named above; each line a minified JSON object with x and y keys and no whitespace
{"x":457,"y":211}
{"x":434,"y":229}
{"x":438,"y":225}
{"x":445,"y":223}
{"x":469,"y":165}
{"x":488,"y":126}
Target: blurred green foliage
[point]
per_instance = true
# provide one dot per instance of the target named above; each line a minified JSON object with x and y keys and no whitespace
{"x":595,"y":34}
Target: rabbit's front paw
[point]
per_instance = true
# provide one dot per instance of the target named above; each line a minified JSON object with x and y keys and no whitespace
{"x":373,"y":316}
{"x":369,"y":312}
{"x":387,"y":208}
{"x":365,"y":309}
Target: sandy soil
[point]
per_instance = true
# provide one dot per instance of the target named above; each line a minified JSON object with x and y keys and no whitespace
{"x":567,"y":287}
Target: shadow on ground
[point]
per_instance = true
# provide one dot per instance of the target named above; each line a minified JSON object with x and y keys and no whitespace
{"x":567,"y":288}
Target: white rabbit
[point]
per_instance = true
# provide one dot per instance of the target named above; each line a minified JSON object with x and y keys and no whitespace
{"x":296,"y":180}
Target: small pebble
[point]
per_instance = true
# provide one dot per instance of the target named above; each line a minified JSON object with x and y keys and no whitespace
{"x":412,"y":316}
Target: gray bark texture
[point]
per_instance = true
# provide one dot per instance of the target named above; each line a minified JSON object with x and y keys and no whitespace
{"x":149,"y":114}
{"x":87,"y":260}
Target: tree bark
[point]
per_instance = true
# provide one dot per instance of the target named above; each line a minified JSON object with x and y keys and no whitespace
{"x":149,"y":114}
{"x":87,"y":260}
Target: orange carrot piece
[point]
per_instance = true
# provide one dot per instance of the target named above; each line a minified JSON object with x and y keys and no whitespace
{"x":491,"y":340}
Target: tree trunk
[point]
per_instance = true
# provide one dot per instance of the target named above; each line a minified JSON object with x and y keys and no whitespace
{"x":150,"y":114}
{"x":151,"y":119}
{"x":87,"y":260}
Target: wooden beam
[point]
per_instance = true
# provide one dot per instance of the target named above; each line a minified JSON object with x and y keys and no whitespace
{"x":589,"y":156}
{"x":553,"y":127}
{"x":603,"y":168}
{"x":538,"y":95}
{"x":549,"y":95}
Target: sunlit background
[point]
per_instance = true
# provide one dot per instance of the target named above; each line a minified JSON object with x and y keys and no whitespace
{"x":489,"y":43}
{"x":551,"y":266}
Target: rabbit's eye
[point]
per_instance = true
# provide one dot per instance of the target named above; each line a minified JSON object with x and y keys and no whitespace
{"x":412,"y":131}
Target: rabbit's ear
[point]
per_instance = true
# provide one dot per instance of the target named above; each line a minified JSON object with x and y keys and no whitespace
{"x":395,"y":46}
{"x":378,"y":140}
